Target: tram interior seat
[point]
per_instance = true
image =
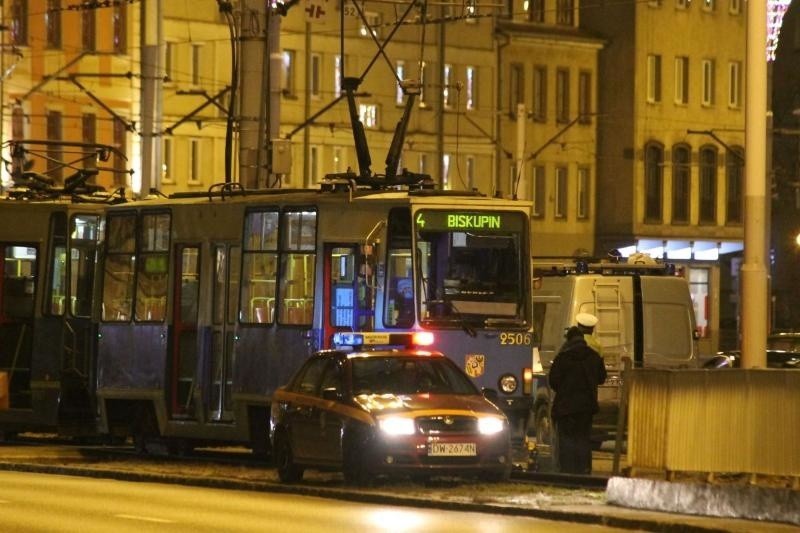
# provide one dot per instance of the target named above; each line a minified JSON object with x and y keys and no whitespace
{"x":262,"y":309}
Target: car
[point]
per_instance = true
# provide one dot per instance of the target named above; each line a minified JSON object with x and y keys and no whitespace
{"x":387,"y":411}
{"x":775,"y":359}
{"x":788,"y":341}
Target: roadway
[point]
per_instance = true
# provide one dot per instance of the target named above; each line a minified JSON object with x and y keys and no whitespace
{"x":31,"y":502}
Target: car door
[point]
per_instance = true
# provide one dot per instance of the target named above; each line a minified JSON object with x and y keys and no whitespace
{"x":329,"y":415}
{"x":301,"y":414}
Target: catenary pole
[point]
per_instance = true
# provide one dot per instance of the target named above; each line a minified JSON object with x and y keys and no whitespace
{"x":754,"y":272}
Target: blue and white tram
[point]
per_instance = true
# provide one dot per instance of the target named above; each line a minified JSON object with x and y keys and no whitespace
{"x":211,"y":302}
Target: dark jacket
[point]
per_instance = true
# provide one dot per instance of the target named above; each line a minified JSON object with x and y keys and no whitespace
{"x":575,"y":374}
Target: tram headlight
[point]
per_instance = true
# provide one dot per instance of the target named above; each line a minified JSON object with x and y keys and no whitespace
{"x":508,"y":383}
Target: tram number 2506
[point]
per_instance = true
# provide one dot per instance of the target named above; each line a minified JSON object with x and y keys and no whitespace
{"x":515,"y":339}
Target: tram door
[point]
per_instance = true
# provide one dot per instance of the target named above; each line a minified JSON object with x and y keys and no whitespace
{"x":226,"y":262}
{"x":184,"y":333}
{"x":349,"y":287}
{"x":17,"y":295}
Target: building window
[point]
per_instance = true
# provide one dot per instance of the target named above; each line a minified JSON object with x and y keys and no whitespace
{"x":654,"y":182}
{"x":538,"y":188}
{"x":89,"y":30}
{"x":89,"y":135}
{"x":585,"y":97}
{"x":368,"y":115}
{"x":120,"y":142}
{"x":565,"y":12}
{"x":699,"y":290}
{"x":169,"y":61}
{"x":561,"y":192}
{"x":52,"y":21}
{"x":423,"y":76}
{"x":516,"y":87}
{"x":584,"y":185}
{"x":19,"y":22}
{"x":735,"y":7}
{"x":120,"y":23}
{"x":681,"y":80}
{"x":197,"y":64}
{"x":471,"y":11}
{"x":708,"y":185}
{"x":338,"y":159}
{"x":562,"y":95}
{"x":734,"y":84}
{"x":447,"y":89}
{"x":54,"y":153}
{"x":166,"y":161}
{"x":681,"y":184}
{"x":653,"y":78}
{"x":194,"y":161}
{"x":373,"y":23}
{"x":17,"y":123}
{"x":536,"y":10}
{"x":446,"y":172}
{"x":287,"y":77}
{"x":471,"y":88}
{"x":470,"y":171}
{"x":313,"y":165}
{"x":540,"y":93}
{"x":708,"y":82}
{"x":734,"y":170}
{"x":400,"y":70}
{"x":337,"y":76}
{"x":315,"y":81}
{"x":682,"y":4}
{"x":709,"y":5}
{"x":654,"y":3}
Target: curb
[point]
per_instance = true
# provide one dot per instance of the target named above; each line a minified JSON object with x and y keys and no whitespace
{"x":587,"y":518}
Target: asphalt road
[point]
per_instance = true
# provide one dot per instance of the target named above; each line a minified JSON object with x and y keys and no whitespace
{"x":32,"y":502}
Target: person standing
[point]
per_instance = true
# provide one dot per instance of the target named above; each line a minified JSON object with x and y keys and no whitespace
{"x":574,"y":376}
{"x":586,"y":323}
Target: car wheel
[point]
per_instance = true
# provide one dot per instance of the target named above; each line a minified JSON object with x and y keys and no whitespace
{"x":288,"y":471}
{"x":356,"y":459}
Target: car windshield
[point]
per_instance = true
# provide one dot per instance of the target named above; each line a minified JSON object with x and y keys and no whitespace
{"x":409,"y":375}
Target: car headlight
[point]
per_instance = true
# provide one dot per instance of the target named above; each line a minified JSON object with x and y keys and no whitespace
{"x":490,"y":425}
{"x":508,"y":383}
{"x":395,"y":425}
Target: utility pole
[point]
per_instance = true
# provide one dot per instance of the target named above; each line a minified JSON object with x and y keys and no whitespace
{"x":151,"y":36}
{"x":252,"y":101}
{"x":276,"y":145}
{"x":754,"y":271}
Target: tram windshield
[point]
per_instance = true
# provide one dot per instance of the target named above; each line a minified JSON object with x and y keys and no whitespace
{"x":470,"y":268}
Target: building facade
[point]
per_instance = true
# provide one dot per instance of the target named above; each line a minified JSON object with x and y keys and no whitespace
{"x":670,"y":144}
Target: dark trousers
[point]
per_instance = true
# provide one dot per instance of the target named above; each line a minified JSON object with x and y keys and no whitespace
{"x":574,"y":443}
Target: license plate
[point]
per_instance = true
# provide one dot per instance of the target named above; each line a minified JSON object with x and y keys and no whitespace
{"x":453,"y":449}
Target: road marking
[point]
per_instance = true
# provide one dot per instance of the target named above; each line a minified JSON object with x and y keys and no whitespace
{"x":144,"y":518}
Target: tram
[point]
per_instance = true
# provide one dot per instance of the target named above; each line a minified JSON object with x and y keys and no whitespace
{"x":209,"y":302}
{"x":48,"y":240}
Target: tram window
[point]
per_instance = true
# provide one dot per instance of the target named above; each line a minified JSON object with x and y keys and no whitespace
{"x":83,"y":247}
{"x":56,"y":300}
{"x":260,"y":272}
{"x":118,"y":273}
{"x":220,"y":280}
{"x":399,"y":310}
{"x":299,"y":237}
{"x":152,"y":268}
{"x":18,"y":282}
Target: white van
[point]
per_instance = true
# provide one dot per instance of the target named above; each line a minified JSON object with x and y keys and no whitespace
{"x":645,"y":313}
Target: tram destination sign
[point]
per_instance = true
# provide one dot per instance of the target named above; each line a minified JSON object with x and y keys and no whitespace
{"x":449,"y":220}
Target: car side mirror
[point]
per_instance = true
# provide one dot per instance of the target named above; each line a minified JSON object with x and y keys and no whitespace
{"x":490,"y":394}
{"x":331,"y":394}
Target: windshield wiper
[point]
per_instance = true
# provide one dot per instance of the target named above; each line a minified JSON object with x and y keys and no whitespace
{"x":456,"y":317}
{"x":497,"y":322}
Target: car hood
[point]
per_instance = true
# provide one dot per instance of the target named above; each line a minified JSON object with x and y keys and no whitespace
{"x":426,"y":404}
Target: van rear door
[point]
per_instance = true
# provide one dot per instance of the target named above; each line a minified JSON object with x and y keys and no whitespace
{"x":668,"y":323}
